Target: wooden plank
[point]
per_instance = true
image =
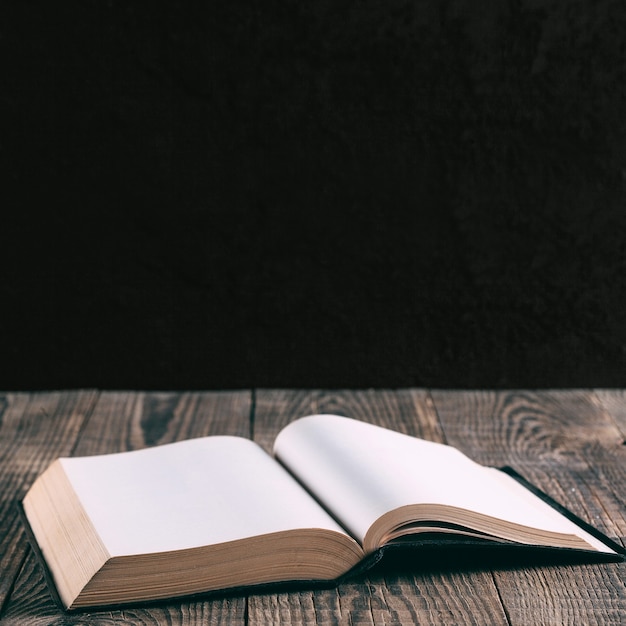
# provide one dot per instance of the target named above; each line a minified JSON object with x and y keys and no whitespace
{"x":563,"y":443}
{"x":499,"y":428}
{"x":584,"y":594}
{"x":407,"y":410}
{"x":130,"y":420}
{"x":561,"y":440}
{"x":569,"y":443}
{"x":424,"y":594}
{"x":613,"y":401}
{"x":127,"y":421}
{"x":35,"y":428}
{"x":609,"y":462}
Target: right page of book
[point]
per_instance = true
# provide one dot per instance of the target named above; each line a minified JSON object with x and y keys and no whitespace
{"x":360,"y":472}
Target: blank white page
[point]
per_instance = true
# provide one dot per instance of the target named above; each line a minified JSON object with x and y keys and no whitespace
{"x":191,"y":493}
{"x":361,"y":471}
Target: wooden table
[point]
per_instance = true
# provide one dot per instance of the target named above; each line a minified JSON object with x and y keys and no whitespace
{"x":570,"y":443}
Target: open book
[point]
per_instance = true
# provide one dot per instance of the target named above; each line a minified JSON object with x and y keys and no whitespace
{"x":217,"y":513}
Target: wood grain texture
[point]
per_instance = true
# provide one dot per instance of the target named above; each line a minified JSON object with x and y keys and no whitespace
{"x":35,"y":428}
{"x":128,"y":421}
{"x":426,"y":597}
{"x":499,"y":428}
{"x":561,"y":440}
{"x":613,"y":401}
{"x":570,"y":443}
{"x":565,"y":444}
{"x":408,"y":410}
{"x":582,"y":594}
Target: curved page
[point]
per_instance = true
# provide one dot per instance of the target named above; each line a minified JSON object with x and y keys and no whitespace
{"x":192,"y":493}
{"x":360,"y":472}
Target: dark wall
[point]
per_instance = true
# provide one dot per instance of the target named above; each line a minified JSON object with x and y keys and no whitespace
{"x":289,"y":193}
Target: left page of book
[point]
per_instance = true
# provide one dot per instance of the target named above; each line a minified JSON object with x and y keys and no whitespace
{"x":193,"y":493}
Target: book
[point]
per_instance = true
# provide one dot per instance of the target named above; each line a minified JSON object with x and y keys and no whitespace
{"x":219,"y":513}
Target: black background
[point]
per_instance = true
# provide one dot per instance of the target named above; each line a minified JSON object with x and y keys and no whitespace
{"x":293,"y":193}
